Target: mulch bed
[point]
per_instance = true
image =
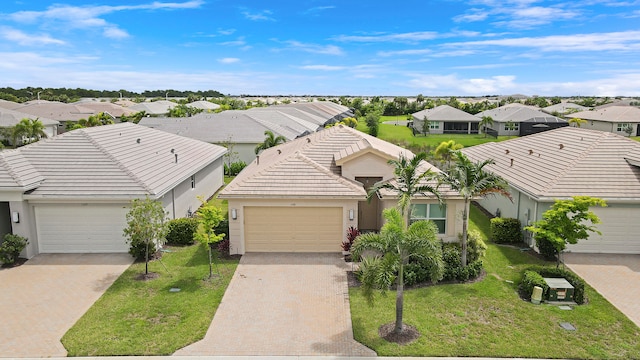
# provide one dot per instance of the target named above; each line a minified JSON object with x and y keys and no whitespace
{"x":17,"y":263}
{"x":408,"y":334}
{"x":147,"y":277}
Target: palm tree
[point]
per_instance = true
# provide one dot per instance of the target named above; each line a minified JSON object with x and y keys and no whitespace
{"x":28,"y":131}
{"x":471,"y":180}
{"x":445,"y":149}
{"x":410,"y":180}
{"x":486,"y":122}
{"x":577,"y":122}
{"x":270,"y":141}
{"x":397,"y":244}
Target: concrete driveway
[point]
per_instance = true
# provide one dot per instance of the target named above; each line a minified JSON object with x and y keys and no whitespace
{"x":616,"y":277}
{"x":43,"y":298}
{"x":283,"y":304}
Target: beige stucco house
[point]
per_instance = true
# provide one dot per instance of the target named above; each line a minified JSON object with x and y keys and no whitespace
{"x":71,"y":193}
{"x":566,"y":162}
{"x":614,"y":119}
{"x":445,"y":119}
{"x":302,"y":196}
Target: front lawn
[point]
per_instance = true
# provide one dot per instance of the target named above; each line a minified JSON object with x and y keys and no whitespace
{"x":136,"y":317}
{"x":488,"y":319}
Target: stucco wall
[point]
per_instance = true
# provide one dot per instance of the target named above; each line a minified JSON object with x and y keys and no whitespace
{"x":26,"y":226}
{"x":367,"y":165}
{"x":608,"y":126}
{"x":236,"y":226}
{"x":245,"y":152}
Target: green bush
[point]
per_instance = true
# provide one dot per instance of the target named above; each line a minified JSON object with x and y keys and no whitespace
{"x":453,"y":270}
{"x":553,"y":272}
{"x":506,"y":230}
{"x":235,"y":168}
{"x":476,"y":248}
{"x":546,"y":248}
{"x":181,"y":231}
{"x":137,"y":249}
{"x":223,"y":228}
{"x":11,"y":248}
{"x":530,"y":280}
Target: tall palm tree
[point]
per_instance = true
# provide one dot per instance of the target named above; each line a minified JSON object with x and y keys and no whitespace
{"x":410,"y":180}
{"x":270,"y":141}
{"x":36,"y":130}
{"x":27,"y":131}
{"x":445,"y":149}
{"x":397,"y":244}
{"x":485,"y":122}
{"x":471,"y":180}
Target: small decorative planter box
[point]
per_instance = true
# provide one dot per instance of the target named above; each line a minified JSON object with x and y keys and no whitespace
{"x":559,"y":289}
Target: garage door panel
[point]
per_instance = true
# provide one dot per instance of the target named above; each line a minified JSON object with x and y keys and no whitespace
{"x":288,"y":229}
{"x":616,"y":236}
{"x":81,"y":229}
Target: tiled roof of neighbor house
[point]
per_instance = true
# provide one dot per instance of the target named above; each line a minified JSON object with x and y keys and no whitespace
{"x":6,"y":104}
{"x":16,"y":173}
{"x":566,"y":162}
{"x":518,"y":113}
{"x":113,"y":162}
{"x":56,"y":110}
{"x":627,"y":114}
{"x":9,"y":118}
{"x":306,"y":167}
{"x":103,"y":106}
{"x":563,"y":108}
{"x":205,"y":105}
{"x":159,"y":107}
{"x":445,"y":113}
{"x":125,"y":102}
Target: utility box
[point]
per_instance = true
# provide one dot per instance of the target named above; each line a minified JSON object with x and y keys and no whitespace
{"x":559,"y":289}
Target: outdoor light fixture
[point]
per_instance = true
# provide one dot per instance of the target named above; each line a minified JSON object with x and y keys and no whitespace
{"x":15,"y":217}
{"x":351,"y":214}
{"x":234,"y":214}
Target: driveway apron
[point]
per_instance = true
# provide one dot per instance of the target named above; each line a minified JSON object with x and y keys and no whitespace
{"x":41,"y":299}
{"x":283,"y":304}
{"x":614,"y":276}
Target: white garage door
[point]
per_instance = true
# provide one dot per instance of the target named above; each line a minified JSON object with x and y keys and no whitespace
{"x":618,"y":234}
{"x":293,"y":229}
{"x":81,"y":228}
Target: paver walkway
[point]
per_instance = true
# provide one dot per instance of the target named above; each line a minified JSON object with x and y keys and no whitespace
{"x":283,"y":304}
{"x":616,"y":277}
{"x":41,"y":299}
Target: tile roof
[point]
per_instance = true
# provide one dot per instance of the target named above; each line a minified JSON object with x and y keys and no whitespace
{"x":56,"y":110}
{"x":112,"y":162}
{"x":17,"y":173}
{"x":446,"y":113}
{"x":310,"y":167}
{"x":566,"y":162}
{"x":563,"y":107}
{"x":205,"y":105}
{"x":628,"y":114}
{"x":6,"y":104}
{"x":159,"y":107}
{"x":518,"y":113}
{"x":9,"y":118}
{"x":103,"y":106}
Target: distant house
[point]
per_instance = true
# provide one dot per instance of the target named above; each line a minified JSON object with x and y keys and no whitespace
{"x":114,"y":110}
{"x":303,"y":195}
{"x":445,"y":119}
{"x":204,"y":105}
{"x":566,"y":162}
{"x":58,"y":111}
{"x":71,"y":193}
{"x":614,"y":119}
{"x":564,"y":108}
{"x":160,"y":107}
{"x":519,"y":120}
{"x":9,"y":118}
{"x":246,"y":128}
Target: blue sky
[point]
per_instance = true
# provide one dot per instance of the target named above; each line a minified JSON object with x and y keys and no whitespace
{"x":325,"y":47}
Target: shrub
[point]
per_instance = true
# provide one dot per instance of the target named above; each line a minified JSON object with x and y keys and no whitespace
{"x":530,"y":280}
{"x":453,"y":270}
{"x":137,"y":248}
{"x":181,"y":231}
{"x":506,"y":230}
{"x":553,"y":272}
{"x":223,"y":228}
{"x":352,"y":234}
{"x":546,"y":248}
{"x":476,"y":248}
{"x":223,"y":248}
{"x":235,"y":168}
{"x":11,"y":248}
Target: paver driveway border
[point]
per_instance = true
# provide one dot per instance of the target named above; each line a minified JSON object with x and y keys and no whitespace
{"x":283,"y":304}
{"x":41,"y":299}
{"x":614,"y":276}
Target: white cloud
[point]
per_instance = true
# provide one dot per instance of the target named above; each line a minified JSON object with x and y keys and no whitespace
{"x":25,"y":39}
{"x":519,"y":14}
{"x":317,"y":10}
{"x":113,"y":32}
{"x":313,"y":48}
{"x":264,"y":15}
{"x":410,"y":37}
{"x":238,"y":42}
{"x":405,"y":52}
{"x":322,"y":67}
{"x":228,"y":60}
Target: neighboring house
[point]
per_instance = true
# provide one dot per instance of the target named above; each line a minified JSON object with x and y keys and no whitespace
{"x":245,"y":128}
{"x":614,"y":119}
{"x":566,"y":162}
{"x":303,"y":195}
{"x":446,"y":119}
{"x":564,"y":108}
{"x":6,"y":104}
{"x":519,"y":120}
{"x":58,"y":111}
{"x":204,"y":105}
{"x":160,"y":107}
{"x":9,"y":118}
{"x":115,"y":110}
{"x":71,"y":193}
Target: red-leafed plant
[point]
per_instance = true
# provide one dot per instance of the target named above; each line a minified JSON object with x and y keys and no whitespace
{"x":352,"y":234}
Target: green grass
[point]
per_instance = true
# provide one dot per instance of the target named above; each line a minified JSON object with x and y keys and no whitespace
{"x":488,"y":319}
{"x":220,"y":203}
{"x":136,"y":317}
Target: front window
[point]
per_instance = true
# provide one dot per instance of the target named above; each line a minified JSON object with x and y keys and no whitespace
{"x":434,"y":125}
{"x":622,"y":126}
{"x":434,"y":212}
{"x":193,"y":181}
{"x":511,"y":126}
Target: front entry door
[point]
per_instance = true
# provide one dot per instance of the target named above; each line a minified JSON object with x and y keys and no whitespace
{"x":368,"y":213}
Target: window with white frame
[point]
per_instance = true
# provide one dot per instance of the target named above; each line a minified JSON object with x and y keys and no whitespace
{"x":622,"y":126}
{"x":434,"y":212}
{"x":434,"y":125}
{"x":193,"y":181}
{"x":512,"y":126}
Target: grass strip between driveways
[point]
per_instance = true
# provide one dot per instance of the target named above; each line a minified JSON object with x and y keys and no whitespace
{"x":136,"y":317}
{"x":488,"y":319}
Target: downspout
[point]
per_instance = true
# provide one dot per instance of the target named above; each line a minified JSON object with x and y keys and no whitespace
{"x":518,"y":207}
{"x":173,"y":202}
